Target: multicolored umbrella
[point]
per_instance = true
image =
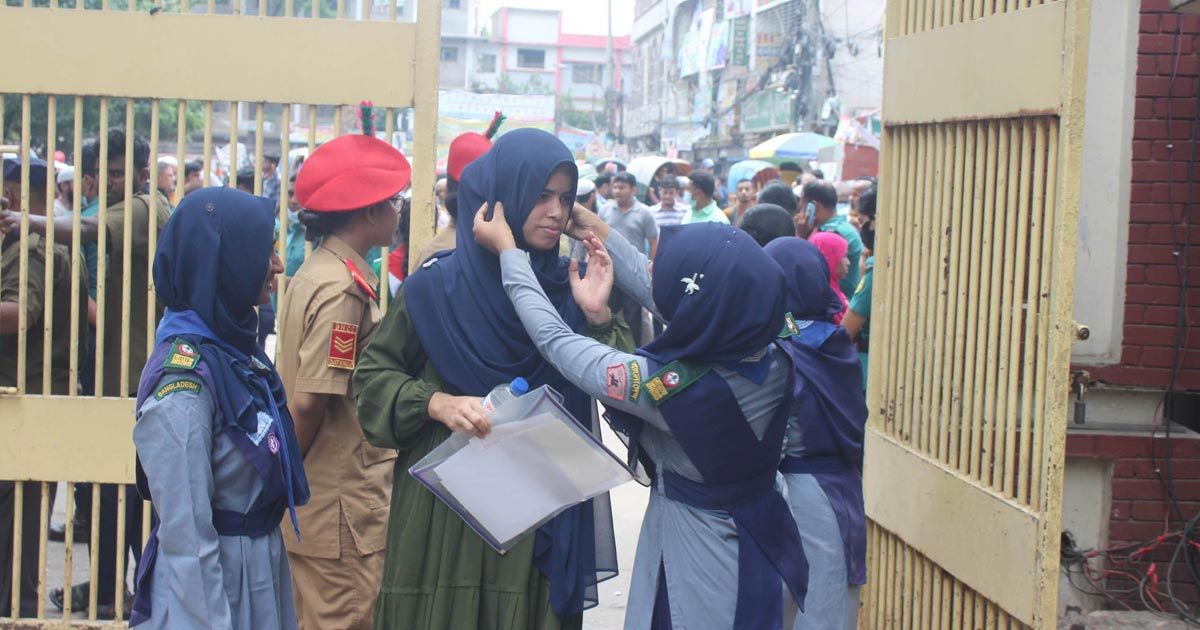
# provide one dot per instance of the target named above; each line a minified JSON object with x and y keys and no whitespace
{"x":794,"y":146}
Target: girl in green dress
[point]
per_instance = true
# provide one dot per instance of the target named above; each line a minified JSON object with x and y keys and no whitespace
{"x":450,"y":336}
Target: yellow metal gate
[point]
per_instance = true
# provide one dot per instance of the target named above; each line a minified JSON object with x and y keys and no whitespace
{"x":186,"y":77}
{"x":983,"y":114}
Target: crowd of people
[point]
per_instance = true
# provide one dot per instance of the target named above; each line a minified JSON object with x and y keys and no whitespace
{"x":724,"y":333}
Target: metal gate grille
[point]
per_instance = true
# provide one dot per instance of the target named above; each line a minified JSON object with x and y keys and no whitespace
{"x":972,"y":328}
{"x":275,"y":67}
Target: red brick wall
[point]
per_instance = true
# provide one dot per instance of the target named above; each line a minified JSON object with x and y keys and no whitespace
{"x":1139,"y":502}
{"x":1157,"y":209}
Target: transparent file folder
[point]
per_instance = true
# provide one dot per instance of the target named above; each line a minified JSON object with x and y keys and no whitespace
{"x":537,"y":462}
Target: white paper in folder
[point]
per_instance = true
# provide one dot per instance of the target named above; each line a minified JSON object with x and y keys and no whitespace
{"x":526,"y":471}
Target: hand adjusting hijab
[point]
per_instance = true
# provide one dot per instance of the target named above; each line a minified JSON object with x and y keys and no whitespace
{"x":472,"y":334}
{"x":212,"y":260}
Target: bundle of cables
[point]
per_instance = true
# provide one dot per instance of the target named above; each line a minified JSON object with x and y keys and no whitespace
{"x":1134,"y":569}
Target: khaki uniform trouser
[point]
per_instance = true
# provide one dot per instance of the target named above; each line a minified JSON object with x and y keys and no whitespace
{"x":337,"y":593}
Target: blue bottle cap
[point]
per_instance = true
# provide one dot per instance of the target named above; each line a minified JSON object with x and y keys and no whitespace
{"x":519,"y":386}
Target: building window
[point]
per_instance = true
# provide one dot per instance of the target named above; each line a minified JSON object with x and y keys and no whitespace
{"x":531,"y":58}
{"x":450,"y":54}
{"x":454,"y":4}
{"x":486,"y":63}
{"x":587,"y":73}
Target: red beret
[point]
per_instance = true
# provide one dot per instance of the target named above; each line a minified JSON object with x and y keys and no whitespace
{"x":351,"y":172}
{"x":464,"y":149}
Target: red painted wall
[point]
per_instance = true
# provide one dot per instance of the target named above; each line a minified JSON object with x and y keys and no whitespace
{"x":1157,"y":206}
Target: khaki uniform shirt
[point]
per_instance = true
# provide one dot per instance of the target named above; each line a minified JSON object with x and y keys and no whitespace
{"x":325,"y":321}
{"x":36,"y":295}
{"x":139,"y":281}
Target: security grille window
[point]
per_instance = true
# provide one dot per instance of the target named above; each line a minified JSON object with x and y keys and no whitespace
{"x":450,"y":54}
{"x":531,"y":58}
{"x":486,"y":63}
{"x":586,"y":73}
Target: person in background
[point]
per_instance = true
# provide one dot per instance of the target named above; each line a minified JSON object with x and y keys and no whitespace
{"x":217,"y":452}
{"x":705,"y":405}
{"x":637,"y":224}
{"x":464,"y":149}
{"x":667,"y":171}
{"x":819,"y":213}
{"x":168,"y":171}
{"x":64,"y":200}
{"x":116,"y":325}
{"x":397,"y":258}
{"x":193,"y":178}
{"x":244,"y":179}
{"x":779,"y":195}
{"x":349,"y":190}
{"x":766,"y":222}
{"x":296,"y":234}
{"x":858,"y":317}
{"x":603,"y":189}
{"x":435,"y":355}
{"x":439,"y":195}
{"x":833,"y":248}
{"x":743,"y":199}
{"x":36,"y":294}
{"x":824,"y":448}
{"x":672,"y":209}
{"x":270,"y":177}
{"x":789,"y":172}
{"x":705,"y":209}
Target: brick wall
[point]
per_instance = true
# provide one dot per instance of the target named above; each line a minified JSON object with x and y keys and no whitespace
{"x":1157,"y":208}
{"x":1140,"y":504}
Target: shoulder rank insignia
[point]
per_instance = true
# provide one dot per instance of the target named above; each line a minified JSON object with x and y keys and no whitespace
{"x":789,"y":327}
{"x":178,"y":385}
{"x":343,"y":346}
{"x":672,"y":379}
{"x":183,"y":356}
{"x":361,"y":280}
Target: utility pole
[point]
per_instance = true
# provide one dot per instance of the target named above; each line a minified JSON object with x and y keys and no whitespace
{"x":610,"y":93}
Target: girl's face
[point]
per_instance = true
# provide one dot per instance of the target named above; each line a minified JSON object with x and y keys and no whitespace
{"x":549,"y":216}
{"x":843,"y":267}
{"x":273,"y":271}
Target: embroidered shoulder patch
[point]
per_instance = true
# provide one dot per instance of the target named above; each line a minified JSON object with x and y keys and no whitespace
{"x":178,"y":385}
{"x":183,"y":356}
{"x":635,"y":381}
{"x":672,"y":379}
{"x":616,"y":379}
{"x":343,"y":346}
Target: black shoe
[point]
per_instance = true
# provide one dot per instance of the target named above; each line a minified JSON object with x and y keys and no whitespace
{"x":79,"y":601}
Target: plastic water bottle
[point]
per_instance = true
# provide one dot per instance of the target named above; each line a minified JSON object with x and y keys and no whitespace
{"x":503,"y":394}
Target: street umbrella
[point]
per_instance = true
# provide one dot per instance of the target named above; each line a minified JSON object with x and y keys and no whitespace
{"x":757,"y":171}
{"x":793,"y":146}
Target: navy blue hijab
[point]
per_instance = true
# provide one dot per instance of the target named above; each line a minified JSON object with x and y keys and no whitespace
{"x":212,"y":260}
{"x":829,"y":388}
{"x":472,"y":334}
{"x":737,"y":306}
{"x":809,"y":294}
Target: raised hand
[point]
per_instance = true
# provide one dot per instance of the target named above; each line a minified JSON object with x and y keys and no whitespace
{"x":591,"y":293}
{"x":493,"y":235}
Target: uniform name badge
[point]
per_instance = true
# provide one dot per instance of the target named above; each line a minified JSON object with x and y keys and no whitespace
{"x":264,"y":426}
{"x":343,"y":346}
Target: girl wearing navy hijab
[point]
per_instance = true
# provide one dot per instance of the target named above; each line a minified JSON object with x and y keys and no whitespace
{"x":449,"y":338}
{"x":823,"y":466}
{"x":217,"y":452}
{"x":706,"y":404}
